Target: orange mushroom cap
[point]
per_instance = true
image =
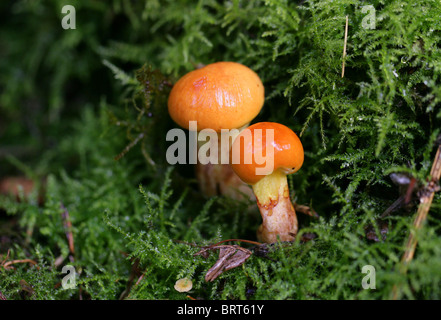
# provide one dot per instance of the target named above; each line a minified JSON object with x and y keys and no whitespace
{"x":221,"y":95}
{"x":288,"y":152}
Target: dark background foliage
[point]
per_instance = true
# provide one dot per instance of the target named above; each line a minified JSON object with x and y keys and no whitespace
{"x":83,"y":114}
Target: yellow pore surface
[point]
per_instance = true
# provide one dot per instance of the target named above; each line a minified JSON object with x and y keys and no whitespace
{"x":270,"y":188}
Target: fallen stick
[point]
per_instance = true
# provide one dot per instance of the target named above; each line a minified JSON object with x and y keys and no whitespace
{"x":7,"y":265}
{"x":344,"y":47}
{"x":426,"y":199}
{"x":67,"y":225}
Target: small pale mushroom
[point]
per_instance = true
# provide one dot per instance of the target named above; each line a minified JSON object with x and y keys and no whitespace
{"x":284,"y":150}
{"x":183,"y":285}
{"x":221,"y":95}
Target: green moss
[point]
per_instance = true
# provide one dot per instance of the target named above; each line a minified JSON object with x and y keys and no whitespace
{"x":85,"y":110}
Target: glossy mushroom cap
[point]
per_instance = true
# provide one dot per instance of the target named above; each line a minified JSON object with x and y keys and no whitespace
{"x":221,"y":95}
{"x":287,"y":157}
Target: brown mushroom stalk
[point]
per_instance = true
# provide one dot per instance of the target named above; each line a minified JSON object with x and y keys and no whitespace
{"x":219,"y":96}
{"x":217,"y":177}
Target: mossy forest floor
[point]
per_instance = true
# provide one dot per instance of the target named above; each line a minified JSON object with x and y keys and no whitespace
{"x":83,"y":119}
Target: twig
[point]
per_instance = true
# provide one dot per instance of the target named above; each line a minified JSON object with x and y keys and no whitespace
{"x":67,"y":225}
{"x":240,"y":240}
{"x":394,"y":206}
{"x":6,"y":265}
{"x":344,"y":47}
{"x":140,"y":278}
{"x":126,"y":293}
{"x":218,"y":243}
{"x":305,"y":210}
{"x":134,"y":273}
{"x":424,"y":207}
{"x":426,"y":199}
{"x":130,"y":146}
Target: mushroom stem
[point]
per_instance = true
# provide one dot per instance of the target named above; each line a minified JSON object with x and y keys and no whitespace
{"x":219,"y":178}
{"x":278,"y":214}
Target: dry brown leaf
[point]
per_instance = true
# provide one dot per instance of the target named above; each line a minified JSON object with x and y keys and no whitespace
{"x":230,"y":256}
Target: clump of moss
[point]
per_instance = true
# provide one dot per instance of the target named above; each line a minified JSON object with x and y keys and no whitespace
{"x":137,"y":222}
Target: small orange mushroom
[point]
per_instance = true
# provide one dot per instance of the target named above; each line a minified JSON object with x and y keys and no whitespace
{"x":283,"y":153}
{"x":221,"y":95}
